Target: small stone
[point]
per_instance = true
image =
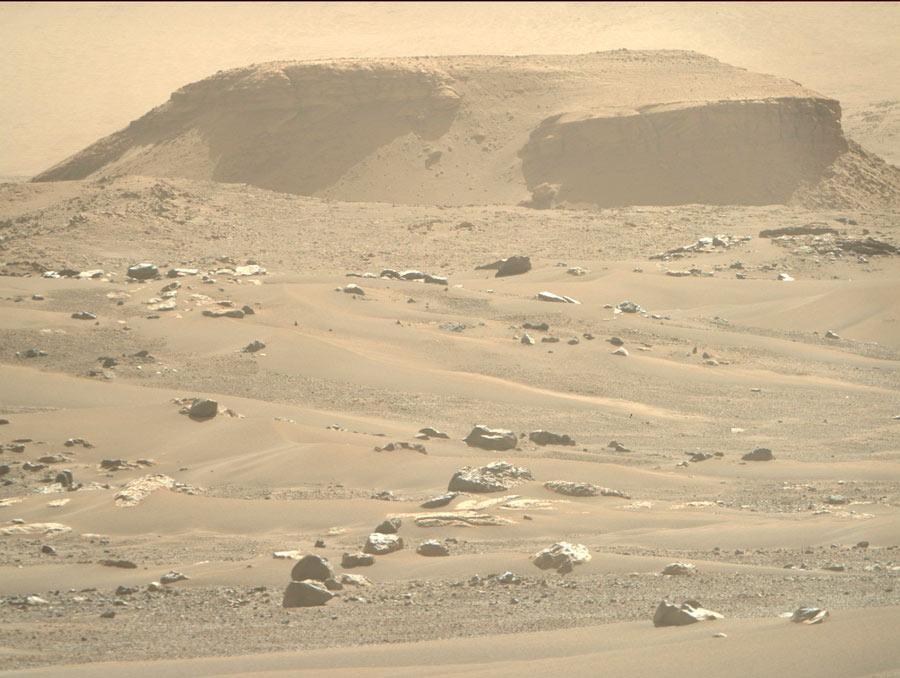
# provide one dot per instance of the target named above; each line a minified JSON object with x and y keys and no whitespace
{"x":438,"y":502}
{"x":49,"y":550}
{"x":690,"y":612}
{"x":109,"y":614}
{"x":84,"y":315}
{"x":547,"y":438}
{"x":382,"y":544}
{"x":433,"y":433}
{"x":527,"y":339}
{"x":142,"y":271}
{"x":354,"y":289}
{"x":809,"y":615}
{"x":615,"y":341}
{"x":491,"y":439}
{"x":562,"y":557}
{"x":837,"y":499}
{"x":621,"y":351}
{"x":125,"y":564}
{"x":831,"y":335}
{"x":172,"y":576}
{"x":254,"y":346}
{"x":679,"y":569}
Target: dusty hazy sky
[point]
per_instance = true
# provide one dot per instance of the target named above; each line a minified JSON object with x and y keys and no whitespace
{"x":73,"y":72}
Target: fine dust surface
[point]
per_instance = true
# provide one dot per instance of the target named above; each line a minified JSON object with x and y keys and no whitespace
{"x":721,"y":361}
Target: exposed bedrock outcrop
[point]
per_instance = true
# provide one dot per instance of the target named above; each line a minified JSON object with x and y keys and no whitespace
{"x":751,"y":152}
{"x":291,"y":127}
{"x":625,"y":128}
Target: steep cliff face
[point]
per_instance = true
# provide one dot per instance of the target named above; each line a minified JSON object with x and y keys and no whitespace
{"x":655,"y":128}
{"x":293,"y":128}
{"x":746,"y":152}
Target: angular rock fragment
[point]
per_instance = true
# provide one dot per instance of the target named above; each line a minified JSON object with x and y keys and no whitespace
{"x":389,"y":526}
{"x":514,"y":265}
{"x":542,"y":437}
{"x":354,"y":580}
{"x":439,"y":502}
{"x":253,"y":346}
{"x":229,"y":313}
{"x":351,"y":560}
{"x":676,"y":569}
{"x":690,"y":612}
{"x":433,"y":433}
{"x":306,"y":594}
{"x":432,"y":549}
{"x":491,"y":439}
{"x":312,"y":566}
{"x":203,"y":409}
{"x":382,"y":544}
{"x":494,"y":477}
{"x":759,"y":454}
{"x":549,"y":296}
{"x":629,"y":307}
{"x":172,"y":576}
{"x":809,"y":615}
{"x":562,"y":557}
{"x":354,"y":289}
{"x":142,"y":271}
{"x":84,"y":315}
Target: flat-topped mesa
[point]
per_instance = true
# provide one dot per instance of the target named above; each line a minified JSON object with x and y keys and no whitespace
{"x":648,"y":127}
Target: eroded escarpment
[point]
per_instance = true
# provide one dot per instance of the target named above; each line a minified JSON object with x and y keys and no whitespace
{"x":294,"y":128}
{"x":747,"y":152}
{"x":604,"y":129}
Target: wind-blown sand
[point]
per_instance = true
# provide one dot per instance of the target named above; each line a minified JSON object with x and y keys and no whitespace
{"x":723,"y":358}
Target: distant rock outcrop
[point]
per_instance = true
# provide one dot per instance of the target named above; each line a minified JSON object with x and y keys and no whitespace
{"x":650,"y":128}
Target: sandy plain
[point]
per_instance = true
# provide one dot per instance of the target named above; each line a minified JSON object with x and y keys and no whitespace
{"x":743,"y":341}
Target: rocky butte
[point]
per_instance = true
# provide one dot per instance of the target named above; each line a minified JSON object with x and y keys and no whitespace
{"x":603,"y":129}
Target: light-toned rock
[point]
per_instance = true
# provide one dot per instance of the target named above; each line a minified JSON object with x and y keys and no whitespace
{"x":382,"y":544}
{"x":562,"y":557}
{"x":690,"y":612}
{"x":809,"y":615}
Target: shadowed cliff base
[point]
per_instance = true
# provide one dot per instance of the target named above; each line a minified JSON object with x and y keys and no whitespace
{"x":606,"y":129}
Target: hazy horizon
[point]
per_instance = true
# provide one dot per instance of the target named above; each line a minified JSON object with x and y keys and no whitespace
{"x":75,"y":72}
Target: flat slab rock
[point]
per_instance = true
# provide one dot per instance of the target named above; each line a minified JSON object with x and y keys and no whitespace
{"x":562,"y":557}
{"x":491,"y":439}
{"x":582,"y":489}
{"x":759,"y":454}
{"x":547,"y":438}
{"x":690,"y":612}
{"x":497,"y":476}
{"x":809,"y":615}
